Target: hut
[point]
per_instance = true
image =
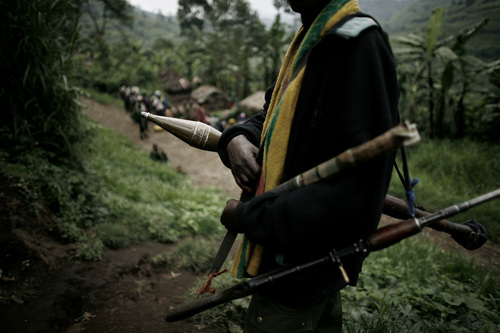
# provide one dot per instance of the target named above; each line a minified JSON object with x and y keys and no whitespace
{"x":250,"y":105}
{"x":211,"y":97}
{"x":253,"y":103}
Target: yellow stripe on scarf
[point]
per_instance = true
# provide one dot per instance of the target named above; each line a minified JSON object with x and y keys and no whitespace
{"x":278,"y":123}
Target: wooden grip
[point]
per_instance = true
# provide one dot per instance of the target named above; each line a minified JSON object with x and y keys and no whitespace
{"x":392,"y":234}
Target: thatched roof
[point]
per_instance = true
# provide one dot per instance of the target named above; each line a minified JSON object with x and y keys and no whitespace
{"x":212,"y":97}
{"x":202,"y":93}
{"x":253,"y":103}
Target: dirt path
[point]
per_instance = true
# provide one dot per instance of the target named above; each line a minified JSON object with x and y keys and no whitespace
{"x":204,"y":168}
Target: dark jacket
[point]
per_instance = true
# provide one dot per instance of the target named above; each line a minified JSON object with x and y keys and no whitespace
{"x":348,"y":96}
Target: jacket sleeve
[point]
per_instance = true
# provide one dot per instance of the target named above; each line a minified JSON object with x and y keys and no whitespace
{"x":350,"y":98}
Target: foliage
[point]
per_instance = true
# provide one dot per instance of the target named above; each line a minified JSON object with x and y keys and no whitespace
{"x":70,"y":194}
{"x":39,"y":106}
{"x":485,"y":116}
{"x":108,"y":9}
{"x":194,"y":253}
{"x":230,"y":315}
{"x":127,"y":65}
{"x":120,"y":197}
{"x":453,"y":171}
{"x":437,"y":76}
{"x":456,"y":15}
{"x":415,"y":287}
{"x":227,"y":54}
{"x":144,"y":26}
{"x":231,"y":50}
{"x":146,"y":199}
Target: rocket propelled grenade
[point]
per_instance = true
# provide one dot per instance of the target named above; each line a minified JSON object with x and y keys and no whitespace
{"x":194,"y":133}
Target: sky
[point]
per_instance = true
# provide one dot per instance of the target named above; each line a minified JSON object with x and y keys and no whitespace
{"x":264,"y":8}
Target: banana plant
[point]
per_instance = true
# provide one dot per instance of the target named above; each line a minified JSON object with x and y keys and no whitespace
{"x":437,"y":63}
{"x":423,"y":51}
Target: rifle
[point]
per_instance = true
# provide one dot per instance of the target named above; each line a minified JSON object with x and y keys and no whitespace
{"x":380,"y":239}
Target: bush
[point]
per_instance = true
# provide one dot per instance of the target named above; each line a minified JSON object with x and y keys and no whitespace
{"x":451,"y":172}
{"x":39,"y":109}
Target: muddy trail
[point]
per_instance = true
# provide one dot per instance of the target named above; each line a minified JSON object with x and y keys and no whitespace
{"x":123,"y":292}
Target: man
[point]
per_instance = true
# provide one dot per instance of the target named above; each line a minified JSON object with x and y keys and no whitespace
{"x":157,"y":104}
{"x":337,"y":89}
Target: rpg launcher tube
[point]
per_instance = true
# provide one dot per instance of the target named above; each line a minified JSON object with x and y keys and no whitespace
{"x":194,"y":133}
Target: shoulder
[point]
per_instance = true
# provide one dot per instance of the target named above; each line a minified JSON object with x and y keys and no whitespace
{"x":352,"y":26}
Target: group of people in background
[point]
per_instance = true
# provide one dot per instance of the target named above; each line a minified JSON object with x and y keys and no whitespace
{"x":135,"y":102}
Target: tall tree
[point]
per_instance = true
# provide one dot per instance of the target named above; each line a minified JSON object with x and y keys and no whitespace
{"x":468,"y":67}
{"x":192,"y":15}
{"x":230,"y":33}
{"x":100,"y":13}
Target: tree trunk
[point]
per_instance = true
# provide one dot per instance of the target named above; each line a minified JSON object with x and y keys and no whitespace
{"x":440,"y":110}
{"x":459,"y":116}
{"x":431,"y":102}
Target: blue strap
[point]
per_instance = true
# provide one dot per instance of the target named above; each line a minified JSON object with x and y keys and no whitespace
{"x":410,"y":197}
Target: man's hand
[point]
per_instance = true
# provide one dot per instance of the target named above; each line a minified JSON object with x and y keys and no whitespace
{"x":242,"y":158}
{"x":228,"y":218}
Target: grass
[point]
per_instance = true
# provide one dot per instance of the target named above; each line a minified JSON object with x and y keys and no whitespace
{"x":415,"y":286}
{"x":148,"y":199}
{"x":451,"y":172}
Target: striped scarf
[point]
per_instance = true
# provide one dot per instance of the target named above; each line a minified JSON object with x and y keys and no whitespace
{"x":278,"y":123}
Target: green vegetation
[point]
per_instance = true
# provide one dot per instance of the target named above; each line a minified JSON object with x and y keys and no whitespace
{"x":106,"y":193}
{"x":457,"y":15}
{"x":146,"y":199}
{"x":413,"y":286}
{"x":444,"y":88}
{"x":416,"y":287}
{"x":128,"y":198}
{"x":451,"y":172}
{"x":121,"y":198}
{"x":39,"y":114}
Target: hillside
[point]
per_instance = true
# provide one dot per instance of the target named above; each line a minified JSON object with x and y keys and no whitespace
{"x":398,"y":17}
{"x":146,"y":27}
{"x":383,"y":10}
{"x":457,"y":15}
